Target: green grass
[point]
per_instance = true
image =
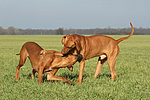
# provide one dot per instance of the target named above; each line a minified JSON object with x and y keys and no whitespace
{"x":132,"y":68}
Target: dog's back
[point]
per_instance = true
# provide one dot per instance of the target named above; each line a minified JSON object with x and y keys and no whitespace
{"x":31,"y":50}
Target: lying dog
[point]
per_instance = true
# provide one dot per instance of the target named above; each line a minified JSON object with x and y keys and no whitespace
{"x":106,"y":48}
{"x":42,"y":63}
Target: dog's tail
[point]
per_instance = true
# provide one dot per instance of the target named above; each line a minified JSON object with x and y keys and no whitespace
{"x":124,"y":38}
{"x":18,"y":54}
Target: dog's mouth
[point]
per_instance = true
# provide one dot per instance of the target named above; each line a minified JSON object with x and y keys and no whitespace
{"x":70,"y":68}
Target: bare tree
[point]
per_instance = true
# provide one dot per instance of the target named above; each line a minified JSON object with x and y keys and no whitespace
{"x":60,"y":31}
{"x":12,"y":31}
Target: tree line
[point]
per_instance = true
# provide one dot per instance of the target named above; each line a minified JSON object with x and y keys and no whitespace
{"x":61,"y":31}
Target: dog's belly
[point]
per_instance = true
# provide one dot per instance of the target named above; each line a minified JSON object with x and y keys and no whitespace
{"x":91,"y":56}
{"x":102,"y":55}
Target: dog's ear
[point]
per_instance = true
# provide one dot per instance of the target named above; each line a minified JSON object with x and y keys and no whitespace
{"x":78,"y":45}
{"x":64,"y":38}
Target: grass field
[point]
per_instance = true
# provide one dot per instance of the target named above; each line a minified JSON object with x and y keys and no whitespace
{"x":132,"y":68}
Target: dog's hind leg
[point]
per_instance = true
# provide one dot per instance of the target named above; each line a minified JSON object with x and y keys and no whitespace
{"x":17,"y":73}
{"x":100,"y":62}
{"x":22,"y":60}
{"x":40,"y":74}
{"x":111,"y":63}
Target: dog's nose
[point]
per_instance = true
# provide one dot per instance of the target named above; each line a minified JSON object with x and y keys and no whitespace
{"x":79,"y":57}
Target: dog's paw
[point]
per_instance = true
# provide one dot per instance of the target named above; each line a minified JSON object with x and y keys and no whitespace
{"x":16,"y":79}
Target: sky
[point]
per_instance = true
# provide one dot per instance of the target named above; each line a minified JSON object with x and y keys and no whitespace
{"x":78,"y":14}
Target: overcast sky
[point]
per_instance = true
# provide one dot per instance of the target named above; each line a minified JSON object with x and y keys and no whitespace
{"x":54,"y":14}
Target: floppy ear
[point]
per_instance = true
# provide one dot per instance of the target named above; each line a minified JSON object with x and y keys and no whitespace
{"x":78,"y":45}
{"x":64,"y":38}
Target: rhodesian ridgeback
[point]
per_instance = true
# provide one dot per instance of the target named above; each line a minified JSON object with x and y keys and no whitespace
{"x":106,"y":48}
{"x":45,"y":62}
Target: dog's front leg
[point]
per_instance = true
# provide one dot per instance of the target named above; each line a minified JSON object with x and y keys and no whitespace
{"x":33,"y":74}
{"x":82,"y":64}
{"x":51,"y":77}
{"x":56,"y":78}
{"x":51,"y":73}
{"x":100,"y":62}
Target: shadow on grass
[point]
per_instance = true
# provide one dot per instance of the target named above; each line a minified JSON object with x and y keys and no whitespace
{"x":28,"y":76}
{"x":69,"y":76}
{"x":105,"y":75}
{"x":73,"y":76}
{"x":65,"y":75}
{"x":109,"y":75}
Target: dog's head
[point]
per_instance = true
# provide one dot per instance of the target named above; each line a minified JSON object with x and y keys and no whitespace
{"x":79,"y":57}
{"x":71,"y":44}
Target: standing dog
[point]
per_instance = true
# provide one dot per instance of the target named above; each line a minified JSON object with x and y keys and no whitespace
{"x":42,"y":63}
{"x":106,"y":48}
